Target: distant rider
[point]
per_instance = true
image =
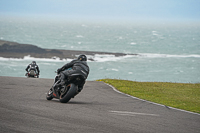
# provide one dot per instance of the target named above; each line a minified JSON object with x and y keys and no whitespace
{"x":33,"y":66}
{"x":78,"y":66}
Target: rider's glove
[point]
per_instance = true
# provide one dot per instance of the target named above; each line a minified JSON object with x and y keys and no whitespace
{"x":59,"y":70}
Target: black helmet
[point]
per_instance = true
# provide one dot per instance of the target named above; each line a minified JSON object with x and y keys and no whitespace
{"x":33,"y":62}
{"x":82,"y":58}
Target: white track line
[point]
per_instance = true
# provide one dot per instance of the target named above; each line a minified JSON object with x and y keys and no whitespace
{"x":151,"y":102}
{"x":131,"y":113}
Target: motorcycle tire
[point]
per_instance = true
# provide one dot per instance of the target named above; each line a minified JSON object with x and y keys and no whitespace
{"x":67,"y":95}
{"x":49,"y":95}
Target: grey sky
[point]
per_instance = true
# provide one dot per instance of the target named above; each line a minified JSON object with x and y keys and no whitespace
{"x":104,"y":9}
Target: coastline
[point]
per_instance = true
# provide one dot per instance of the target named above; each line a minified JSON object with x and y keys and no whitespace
{"x":10,"y":49}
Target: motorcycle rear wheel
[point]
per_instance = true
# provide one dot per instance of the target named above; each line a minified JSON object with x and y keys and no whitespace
{"x":68,"y":93}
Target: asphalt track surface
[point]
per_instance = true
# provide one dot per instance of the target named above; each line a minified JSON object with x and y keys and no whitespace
{"x":97,"y":109}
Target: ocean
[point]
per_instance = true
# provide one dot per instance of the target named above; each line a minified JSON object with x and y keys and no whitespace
{"x":166,"y":52}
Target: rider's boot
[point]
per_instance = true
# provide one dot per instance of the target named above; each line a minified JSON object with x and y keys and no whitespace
{"x":62,"y":82}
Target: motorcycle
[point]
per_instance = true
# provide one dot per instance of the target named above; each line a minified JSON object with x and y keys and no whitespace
{"x":67,"y":91}
{"x":32,"y":74}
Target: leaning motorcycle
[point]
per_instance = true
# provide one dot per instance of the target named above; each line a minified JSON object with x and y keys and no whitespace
{"x":32,"y":74}
{"x":65,"y":92}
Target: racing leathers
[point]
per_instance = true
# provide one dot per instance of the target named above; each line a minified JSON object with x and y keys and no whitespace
{"x":33,"y":66}
{"x":75,"y":67}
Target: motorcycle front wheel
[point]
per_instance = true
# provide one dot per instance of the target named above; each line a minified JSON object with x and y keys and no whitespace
{"x":49,"y":95}
{"x":67,"y":93}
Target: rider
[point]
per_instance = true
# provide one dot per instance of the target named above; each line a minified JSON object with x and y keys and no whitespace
{"x":78,"y":66}
{"x":33,"y":66}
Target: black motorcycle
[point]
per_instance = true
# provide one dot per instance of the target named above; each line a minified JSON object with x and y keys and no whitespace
{"x":67,"y":91}
{"x":32,"y":74}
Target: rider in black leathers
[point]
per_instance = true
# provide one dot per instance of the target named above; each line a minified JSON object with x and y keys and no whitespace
{"x":78,"y":66}
{"x":33,"y":66}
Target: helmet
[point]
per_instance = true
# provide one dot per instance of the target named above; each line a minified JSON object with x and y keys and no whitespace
{"x":82,"y":58}
{"x":33,"y":62}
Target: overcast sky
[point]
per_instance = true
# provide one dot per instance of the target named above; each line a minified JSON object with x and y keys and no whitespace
{"x":104,"y":9}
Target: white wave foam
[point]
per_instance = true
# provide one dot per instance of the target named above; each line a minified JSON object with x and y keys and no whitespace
{"x":103,"y":57}
{"x":114,"y":69}
{"x":107,"y":57}
{"x":29,"y":58}
{"x":79,"y":36}
{"x":149,"y":55}
{"x":63,"y":46}
{"x":133,"y":43}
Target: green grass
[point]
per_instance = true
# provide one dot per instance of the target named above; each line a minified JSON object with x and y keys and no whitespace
{"x":184,"y":96}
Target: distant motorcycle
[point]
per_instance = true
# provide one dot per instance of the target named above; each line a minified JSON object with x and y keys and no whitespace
{"x":67,"y":91}
{"x":32,"y":74}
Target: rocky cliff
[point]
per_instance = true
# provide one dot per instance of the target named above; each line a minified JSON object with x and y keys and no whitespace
{"x":15,"y":50}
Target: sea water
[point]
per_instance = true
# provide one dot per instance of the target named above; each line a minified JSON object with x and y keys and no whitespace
{"x":166,"y":52}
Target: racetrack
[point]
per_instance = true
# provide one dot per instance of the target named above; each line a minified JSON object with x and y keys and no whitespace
{"x":97,"y":109}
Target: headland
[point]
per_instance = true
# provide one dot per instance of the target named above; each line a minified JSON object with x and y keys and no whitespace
{"x":10,"y":49}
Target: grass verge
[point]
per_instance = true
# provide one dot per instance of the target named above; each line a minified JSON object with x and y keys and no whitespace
{"x":184,"y":96}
